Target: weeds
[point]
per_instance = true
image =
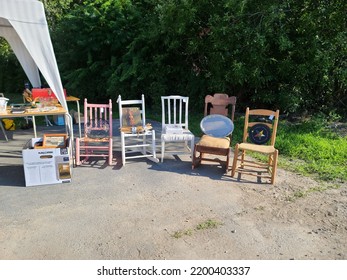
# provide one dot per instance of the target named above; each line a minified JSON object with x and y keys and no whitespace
{"x":208,"y":224}
{"x":303,"y":193}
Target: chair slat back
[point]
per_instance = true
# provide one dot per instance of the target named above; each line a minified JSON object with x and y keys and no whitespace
{"x":175,"y":110}
{"x":95,"y":112}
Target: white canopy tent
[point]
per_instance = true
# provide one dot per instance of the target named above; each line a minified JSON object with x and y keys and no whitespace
{"x":23,"y":24}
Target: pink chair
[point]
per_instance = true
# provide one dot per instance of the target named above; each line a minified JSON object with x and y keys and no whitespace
{"x":97,"y":140}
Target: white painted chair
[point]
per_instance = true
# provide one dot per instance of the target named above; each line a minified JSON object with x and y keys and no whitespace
{"x":175,"y":125}
{"x":137,"y":137}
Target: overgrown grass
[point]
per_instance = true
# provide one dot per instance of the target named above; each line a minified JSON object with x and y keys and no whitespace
{"x":320,"y":151}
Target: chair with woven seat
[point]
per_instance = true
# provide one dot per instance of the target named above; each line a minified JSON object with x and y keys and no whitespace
{"x":97,"y":140}
{"x":175,"y":126}
{"x":137,"y":137}
{"x":210,"y":146}
{"x":259,"y":136}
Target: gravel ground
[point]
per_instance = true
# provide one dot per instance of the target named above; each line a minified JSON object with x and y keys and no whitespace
{"x":148,"y":210}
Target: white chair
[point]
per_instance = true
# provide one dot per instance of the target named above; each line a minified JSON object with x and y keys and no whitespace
{"x":175,"y":124}
{"x":137,"y":137}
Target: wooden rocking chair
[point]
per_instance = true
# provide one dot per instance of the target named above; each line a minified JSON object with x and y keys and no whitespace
{"x":218,"y":104}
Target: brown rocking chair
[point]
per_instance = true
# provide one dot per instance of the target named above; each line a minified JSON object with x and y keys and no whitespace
{"x":210,"y":145}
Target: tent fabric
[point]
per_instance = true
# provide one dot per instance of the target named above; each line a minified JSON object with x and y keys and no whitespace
{"x":23,"y":24}
{"x":22,"y":53}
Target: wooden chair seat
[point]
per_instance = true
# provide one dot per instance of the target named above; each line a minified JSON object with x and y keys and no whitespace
{"x":209,"y":141}
{"x":257,"y":148}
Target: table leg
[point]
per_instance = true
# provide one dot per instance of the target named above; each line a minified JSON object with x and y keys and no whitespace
{"x":34,"y":126}
{"x":79,"y":118}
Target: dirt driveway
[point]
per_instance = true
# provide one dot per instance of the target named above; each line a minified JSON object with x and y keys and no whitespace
{"x":147,"y":210}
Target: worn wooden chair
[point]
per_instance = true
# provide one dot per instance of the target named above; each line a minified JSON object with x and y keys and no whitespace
{"x":136,"y":135}
{"x":209,"y":145}
{"x":175,"y":125}
{"x":259,"y":136}
{"x":97,"y":140}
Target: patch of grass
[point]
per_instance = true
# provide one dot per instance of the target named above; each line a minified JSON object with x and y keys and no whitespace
{"x":304,"y":193}
{"x":208,"y":224}
{"x":179,"y":233}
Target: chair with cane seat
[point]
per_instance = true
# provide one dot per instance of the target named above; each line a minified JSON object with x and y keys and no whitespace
{"x":97,"y":140}
{"x":210,"y":146}
{"x":259,"y":136}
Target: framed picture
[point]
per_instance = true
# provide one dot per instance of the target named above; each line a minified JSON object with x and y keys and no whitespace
{"x":131,"y":116}
{"x":54,"y":140}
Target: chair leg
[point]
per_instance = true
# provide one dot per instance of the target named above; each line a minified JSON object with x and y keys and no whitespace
{"x":195,"y":161}
{"x":192,"y":142}
{"x":243,"y":156}
{"x":227,"y":162}
{"x":162,"y":150}
{"x":274,"y":167}
{"x":236,"y":154}
{"x":110,"y":152}
{"x":123,"y":147}
{"x":77,"y":154}
{"x":153,"y":145}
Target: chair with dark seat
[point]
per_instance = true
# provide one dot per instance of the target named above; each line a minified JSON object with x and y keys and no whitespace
{"x":213,"y":145}
{"x":97,"y":140}
{"x":259,"y":136}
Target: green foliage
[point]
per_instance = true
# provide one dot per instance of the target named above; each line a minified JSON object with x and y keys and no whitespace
{"x":321,"y":151}
{"x":288,"y":54}
{"x":12,"y":76}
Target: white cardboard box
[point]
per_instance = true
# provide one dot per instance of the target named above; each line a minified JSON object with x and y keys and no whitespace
{"x":45,"y":166}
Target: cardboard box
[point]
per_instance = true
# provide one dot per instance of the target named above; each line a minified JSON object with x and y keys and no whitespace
{"x":46,"y":166}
